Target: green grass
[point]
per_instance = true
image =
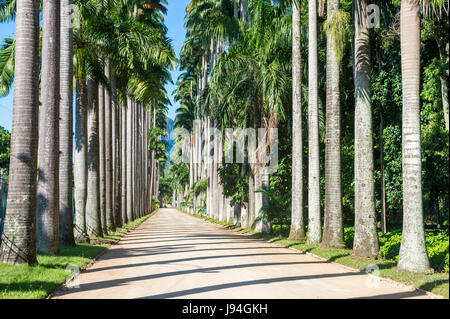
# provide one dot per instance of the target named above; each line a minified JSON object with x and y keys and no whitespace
{"x":437,"y":283}
{"x":37,"y":282}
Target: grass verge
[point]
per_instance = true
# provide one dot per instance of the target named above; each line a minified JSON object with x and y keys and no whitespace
{"x":437,"y":283}
{"x":37,"y":282}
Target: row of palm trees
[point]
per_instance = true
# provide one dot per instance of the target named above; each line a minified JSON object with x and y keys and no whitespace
{"x":117,"y":54}
{"x":235,"y":76}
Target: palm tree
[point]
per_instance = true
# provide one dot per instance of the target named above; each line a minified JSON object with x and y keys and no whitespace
{"x":93,"y":217}
{"x":101,"y":138}
{"x":66,"y":235}
{"x":129,"y":136}
{"x":413,"y":254}
{"x":365,"y":242}
{"x":80,"y":154}
{"x":108,"y":156}
{"x":297,"y":225}
{"x":314,"y":221}
{"x":333,"y":232}
{"x":123,"y":168}
{"x":18,"y":239}
{"x":116,"y":154}
{"x":47,"y":221}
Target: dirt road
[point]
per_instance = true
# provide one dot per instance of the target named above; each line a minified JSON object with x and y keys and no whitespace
{"x":173,"y":255}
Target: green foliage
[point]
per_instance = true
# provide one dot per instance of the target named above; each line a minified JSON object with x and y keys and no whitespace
{"x":200,"y":187}
{"x":278,"y":205}
{"x":234,"y":182}
{"x":7,"y":54}
{"x":393,"y":167}
{"x":280,"y":230}
{"x":5,"y":143}
{"x":201,"y":209}
{"x":437,"y":248}
{"x":155,"y":202}
{"x":437,"y":242}
{"x":165,"y":189}
{"x":336,"y":26}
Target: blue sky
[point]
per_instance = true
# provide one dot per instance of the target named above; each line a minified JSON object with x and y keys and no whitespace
{"x":175,"y":23}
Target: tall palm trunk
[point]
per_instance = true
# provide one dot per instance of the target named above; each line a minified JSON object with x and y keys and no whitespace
{"x":108,"y":157}
{"x":413,"y":254}
{"x":365,"y":243}
{"x":129,"y":137}
{"x":80,"y":160}
{"x":314,"y":220}
{"x":66,"y":235}
{"x":93,"y":217}
{"x":123,"y":168}
{"x":47,"y":218}
{"x":18,"y":239}
{"x":101,"y":138}
{"x":116,"y":153}
{"x":297,"y":224}
{"x":244,"y":209}
{"x":333,"y":232}
{"x":136,"y":161}
{"x":251,"y":196}
{"x":208,"y":168}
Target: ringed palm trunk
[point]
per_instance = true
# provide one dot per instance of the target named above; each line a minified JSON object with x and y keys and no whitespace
{"x":413,"y":254}
{"x":314,"y":220}
{"x":18,"y":239}
{"x":333,"y":232}
{"x":80,"y":160}
{"x":123,"y":168}
{"x":108,"y":157}
{"x":101,"y":138}
{"x":93,"y":217}
{"x":66,"y":234}
{"x":251,"y":196}
{"x":365,"y":243}
{"x":129,"y":137}
{"x":244,"y":216}
{"x":47,"y":221}
{"x":297,"y":225}
{"x":116,"y":154}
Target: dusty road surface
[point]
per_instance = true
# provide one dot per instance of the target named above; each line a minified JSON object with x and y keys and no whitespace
{"x":174,"y":255}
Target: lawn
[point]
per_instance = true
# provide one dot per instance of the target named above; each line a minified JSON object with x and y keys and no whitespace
{"x":37,"y":282}
{"x":437,"y":283}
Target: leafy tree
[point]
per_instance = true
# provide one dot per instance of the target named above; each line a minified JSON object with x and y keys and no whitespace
{"x":5,"y":146}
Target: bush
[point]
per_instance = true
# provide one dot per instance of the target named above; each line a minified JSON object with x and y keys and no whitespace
{"x":437,"y":247}
{"x":436,"y":241}
{"x":281,"y":230}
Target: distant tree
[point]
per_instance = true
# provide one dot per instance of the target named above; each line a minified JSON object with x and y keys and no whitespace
{"x":5,"y":145}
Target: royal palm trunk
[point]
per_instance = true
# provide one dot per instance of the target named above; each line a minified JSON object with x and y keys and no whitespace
{"x":93,"y":217}
{"x":66,"y":234}
{"x":47,"y":218}
{"x":129,"y":161}
{"x":116,"y":154}
{"x":108,"y":157}
{"x":314,"y":220}
{"x":365,"y":243}
{"x":413,"y":253}
{"x":297,"y":225}
{"x":18,"y":239}
{"x":123,"y":168}
{"x":333,"y":232}
{"x":80,"y":160}
{"x":101,"y":133}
